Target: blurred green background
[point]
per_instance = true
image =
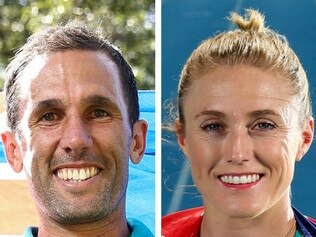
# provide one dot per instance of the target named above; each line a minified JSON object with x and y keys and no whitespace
{"x":130,"y":25}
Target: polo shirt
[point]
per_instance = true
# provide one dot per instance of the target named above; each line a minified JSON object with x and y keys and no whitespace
{"x":138,"y":229}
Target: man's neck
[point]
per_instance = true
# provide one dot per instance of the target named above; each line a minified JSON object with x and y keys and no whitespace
{"x":114,"y":226}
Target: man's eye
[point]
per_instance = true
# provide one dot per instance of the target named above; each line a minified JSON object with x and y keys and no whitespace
{"x":99,"y":113}
{"x":50,"y":117}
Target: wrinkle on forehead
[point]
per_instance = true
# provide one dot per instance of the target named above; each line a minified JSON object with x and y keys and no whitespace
{"x":49,"y":66}
{"x":240,"y":91}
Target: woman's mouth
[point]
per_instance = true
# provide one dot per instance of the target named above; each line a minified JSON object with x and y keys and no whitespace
{"x":240,"y":179}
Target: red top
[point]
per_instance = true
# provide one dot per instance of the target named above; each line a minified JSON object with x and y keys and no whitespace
{"x":187,"y":223}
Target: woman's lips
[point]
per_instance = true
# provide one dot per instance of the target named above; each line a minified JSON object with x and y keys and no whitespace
{"x":240,"y":181}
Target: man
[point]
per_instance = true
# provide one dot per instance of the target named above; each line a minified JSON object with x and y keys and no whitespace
{"x":73,"y":117}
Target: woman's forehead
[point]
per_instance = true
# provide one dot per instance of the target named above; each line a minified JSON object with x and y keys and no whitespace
{"x":247,"y":89}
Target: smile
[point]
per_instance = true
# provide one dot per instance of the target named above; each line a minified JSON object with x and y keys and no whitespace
{"x":77,"y":174}
{"x":240,"y":179}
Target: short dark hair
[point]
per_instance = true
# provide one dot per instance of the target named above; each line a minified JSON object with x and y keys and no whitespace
{"x":72,"y":36}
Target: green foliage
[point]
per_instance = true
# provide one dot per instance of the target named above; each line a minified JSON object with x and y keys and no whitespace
{"x":127,"y":24}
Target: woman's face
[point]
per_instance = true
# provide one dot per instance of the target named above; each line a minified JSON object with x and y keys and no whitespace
{"x":242,"y":136}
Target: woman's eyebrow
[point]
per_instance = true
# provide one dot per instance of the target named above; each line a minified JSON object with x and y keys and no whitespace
{"x":215,"y":113}
{"x":256,"y":113}
{"x":264,"y":112}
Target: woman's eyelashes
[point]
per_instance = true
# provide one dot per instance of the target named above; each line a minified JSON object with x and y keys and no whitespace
{"x":213,"y":126}
{"x":264,"y":126}
{"x":221,"y":128}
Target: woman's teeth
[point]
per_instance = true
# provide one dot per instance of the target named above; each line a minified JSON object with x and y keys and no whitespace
{"x":243,"y":179}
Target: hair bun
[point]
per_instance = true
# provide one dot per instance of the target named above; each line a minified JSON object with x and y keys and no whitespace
{"x":253,"y":21}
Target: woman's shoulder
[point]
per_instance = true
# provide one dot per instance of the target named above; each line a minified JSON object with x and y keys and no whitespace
{"x":183,"y":223}
{"x":306,"y":224}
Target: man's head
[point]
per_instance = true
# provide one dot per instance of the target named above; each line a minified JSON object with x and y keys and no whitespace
{"x":73,"y":114}
{"x":60,"y":39}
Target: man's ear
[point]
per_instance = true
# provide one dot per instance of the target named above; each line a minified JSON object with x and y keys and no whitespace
{"x":307,"y":138}
{"x":179,"y":127}
{"x":138,"y":143}
{"x":12,"y":151}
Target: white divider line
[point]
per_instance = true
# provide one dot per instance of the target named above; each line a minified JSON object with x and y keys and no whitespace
{"x":6,"y":173}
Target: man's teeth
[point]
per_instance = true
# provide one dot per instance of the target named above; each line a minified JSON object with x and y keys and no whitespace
{"x":244,"y":179}
{"x":77,"y":174}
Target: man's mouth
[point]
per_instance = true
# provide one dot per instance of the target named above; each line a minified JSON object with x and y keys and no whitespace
{"x":77,"y":174}
{"x":240,"y":179}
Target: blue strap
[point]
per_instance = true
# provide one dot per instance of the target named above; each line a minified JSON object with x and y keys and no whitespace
{"x":307,"y":227}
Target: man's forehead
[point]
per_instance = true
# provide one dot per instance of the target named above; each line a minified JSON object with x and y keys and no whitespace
{"x":85,"y":72}
{"x":48,"y":66}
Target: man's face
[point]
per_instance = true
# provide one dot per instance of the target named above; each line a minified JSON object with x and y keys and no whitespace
{"x":75,"y":135}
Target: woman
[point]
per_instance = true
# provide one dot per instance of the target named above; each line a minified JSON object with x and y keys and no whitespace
{"x":244,"y":119}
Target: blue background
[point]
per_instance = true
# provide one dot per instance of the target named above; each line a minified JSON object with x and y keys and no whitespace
{"x":184,"y":25}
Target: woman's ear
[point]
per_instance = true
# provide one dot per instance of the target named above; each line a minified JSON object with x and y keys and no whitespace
{"x":180,"y":132}
{"x":307,"y":138}
{"x":12,"y":151}
{"x":138,"y":143}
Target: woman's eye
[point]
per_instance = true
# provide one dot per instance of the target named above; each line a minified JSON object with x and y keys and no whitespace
{"x":265,"y":126}
{"x":99,"y":113}
{"x":212,"y":127}
{"x":50,"y":117}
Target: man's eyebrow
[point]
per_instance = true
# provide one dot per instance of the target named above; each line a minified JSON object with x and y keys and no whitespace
{"x":89,"y":100}
{"x":99,"y":100}
{"x":43,"y":104}
{"x":215,"y":113}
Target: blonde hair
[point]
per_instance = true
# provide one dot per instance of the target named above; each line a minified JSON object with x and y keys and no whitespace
{"x":252,"y":44}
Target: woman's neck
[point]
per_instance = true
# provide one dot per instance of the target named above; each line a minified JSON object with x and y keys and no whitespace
{"x":277,"y":221}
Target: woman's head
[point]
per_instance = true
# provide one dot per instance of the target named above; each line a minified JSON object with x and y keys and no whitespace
{"x":252,"y":44}
{"x":245,"y":119}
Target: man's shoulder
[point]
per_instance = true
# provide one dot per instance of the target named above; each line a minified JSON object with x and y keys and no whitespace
{"x":306,"y":224}
{"x":138,"y":228}
{"x":183,"y":223}
{"x":30,"y":232}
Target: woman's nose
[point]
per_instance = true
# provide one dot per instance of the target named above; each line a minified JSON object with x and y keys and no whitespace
{"x":239,"y":147}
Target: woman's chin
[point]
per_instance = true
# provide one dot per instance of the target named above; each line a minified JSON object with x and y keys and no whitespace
{"x":242,"y":210}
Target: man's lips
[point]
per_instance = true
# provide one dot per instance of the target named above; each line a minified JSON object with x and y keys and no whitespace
{"x":77,"y":171}
{"x":240,"y":178}
{"x":77,"y":174}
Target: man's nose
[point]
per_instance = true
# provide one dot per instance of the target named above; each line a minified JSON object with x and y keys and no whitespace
{"x":239,"y":147}
{"x":76,"y":136}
